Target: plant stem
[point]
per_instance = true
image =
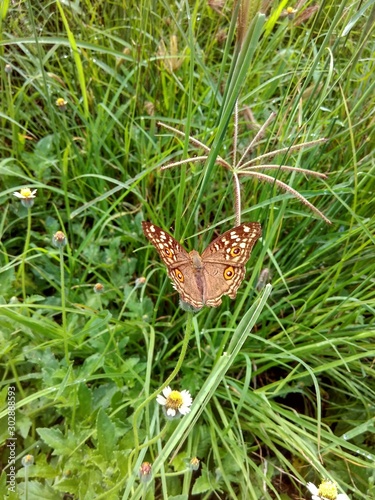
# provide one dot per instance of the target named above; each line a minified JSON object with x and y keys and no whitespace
{"x":21,"y":271}
{"x":63,"y":305}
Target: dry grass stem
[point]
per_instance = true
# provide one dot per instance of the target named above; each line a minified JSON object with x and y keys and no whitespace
{"x":285,"y":187}
{"x":182,"y":134}
{"x":237,"y":198}
{"x":286,"y":168}
{"x":193,"y":159}
{"x":289,"y":149}
{"x":196,"y":143}
{"x":258,"y":136}
{"x":235,"y":134}
{"x":251,"y":170}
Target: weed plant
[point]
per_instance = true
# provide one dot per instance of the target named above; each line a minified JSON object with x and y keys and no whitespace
{"x":282,"y":378}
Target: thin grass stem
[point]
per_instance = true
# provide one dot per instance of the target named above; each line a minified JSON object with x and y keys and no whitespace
{"x":63,"y":305}
{"x":21,"y":272}
{"x":290,"y":149}
{"x":257,"y":138}
{"x":285,"y":187}
{"x":237,"y":198}
{"x":285,"y":168}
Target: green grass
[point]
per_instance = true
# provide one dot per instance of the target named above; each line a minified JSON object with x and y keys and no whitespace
{"x":282,"y":378}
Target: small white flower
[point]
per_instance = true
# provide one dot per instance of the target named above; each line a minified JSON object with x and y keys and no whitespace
{"x":175,"y":403}
{"x":26,"y":196}
{"x":327,"y":491}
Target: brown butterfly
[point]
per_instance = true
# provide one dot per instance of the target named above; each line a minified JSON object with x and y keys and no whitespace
{"x":204,"y":279}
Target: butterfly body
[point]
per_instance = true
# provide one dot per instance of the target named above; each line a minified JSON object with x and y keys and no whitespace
{"x":204,"y":279}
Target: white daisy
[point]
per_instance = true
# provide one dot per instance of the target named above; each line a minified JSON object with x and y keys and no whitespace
{"x":175,"y":403}
{"x":25,"y":193}
{"x":26,"y":196}
{"x":327,"y":491}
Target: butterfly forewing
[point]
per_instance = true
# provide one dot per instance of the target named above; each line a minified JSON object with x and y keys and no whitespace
{"x":234,"y":245}
{"x":168,"y":248}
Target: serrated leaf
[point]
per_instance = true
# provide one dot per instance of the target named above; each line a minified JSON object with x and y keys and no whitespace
{"x":106,"y":434}
{"x":95,"y":325}
{"x":85,"y":401}
{"x":36,"y":491}
{"x":55,"y":439}
{"x":180,"y":461}
{"x":103,"y":395}
{"x":24,"y":424}
{"x":61,"y":444}
{"x":91,"y":364}
{"x":202,"y":485}
{"x":68,"y":485}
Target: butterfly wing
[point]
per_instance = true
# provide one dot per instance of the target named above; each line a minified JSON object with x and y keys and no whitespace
{"x":179,"y":264}
{"x":224,"y":262}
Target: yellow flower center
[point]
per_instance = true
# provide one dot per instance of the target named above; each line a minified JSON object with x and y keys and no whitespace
{"x":60,"y":102}
{"x":174,"y":400}
{"x":328,"y":490}
{"x":25,"y":192}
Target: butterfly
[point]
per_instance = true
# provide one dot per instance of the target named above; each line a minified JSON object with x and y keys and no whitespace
{"x":204,"y":279}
